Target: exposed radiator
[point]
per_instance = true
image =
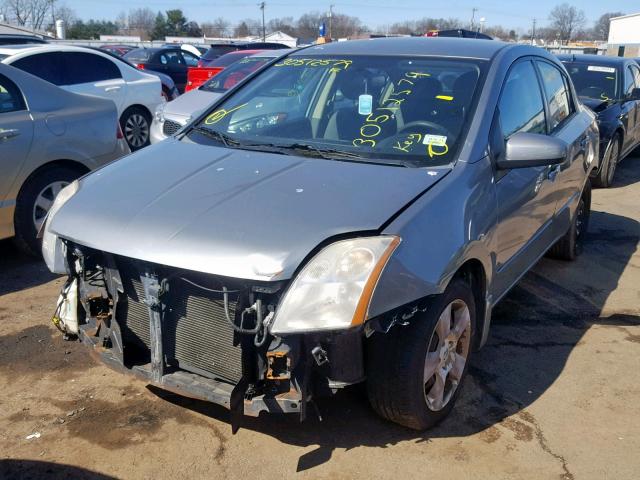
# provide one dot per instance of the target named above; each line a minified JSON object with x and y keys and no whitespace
{"x":196,"y":336}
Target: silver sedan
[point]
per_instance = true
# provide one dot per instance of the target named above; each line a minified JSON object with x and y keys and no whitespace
{"x":48,"y":138}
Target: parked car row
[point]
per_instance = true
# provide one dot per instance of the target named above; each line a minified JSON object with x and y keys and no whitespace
{"x":348,"y":213}
{"x":48,"y":138}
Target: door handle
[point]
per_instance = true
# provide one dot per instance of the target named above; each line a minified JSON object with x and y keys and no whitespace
{"x":112,"y":89}
{"x":9,"y":134}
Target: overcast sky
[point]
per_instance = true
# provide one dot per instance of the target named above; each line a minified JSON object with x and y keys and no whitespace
{"x":371,"y":12}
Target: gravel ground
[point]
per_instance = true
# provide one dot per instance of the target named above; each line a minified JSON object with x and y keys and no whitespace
{"x":554,"y":394}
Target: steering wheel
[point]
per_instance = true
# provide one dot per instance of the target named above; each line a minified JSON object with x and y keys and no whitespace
{"x":427,"y":124}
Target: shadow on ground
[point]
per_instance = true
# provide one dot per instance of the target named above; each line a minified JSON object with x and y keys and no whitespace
{"x":19,"y":271}
{"x":36,"y":470}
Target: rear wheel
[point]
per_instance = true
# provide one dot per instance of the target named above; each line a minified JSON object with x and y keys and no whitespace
{"x":414,"y":373}
{"x":570,"y":245}
{"x":34,"y":201}
{"x":135,"y":123}
{"x":610,"y":160}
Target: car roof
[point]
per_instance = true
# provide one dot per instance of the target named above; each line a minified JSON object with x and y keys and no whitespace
{"x":272,"y":53}
{"x":33,"y":48}
{"x":593,"y":59}
{"x":416,"y":46}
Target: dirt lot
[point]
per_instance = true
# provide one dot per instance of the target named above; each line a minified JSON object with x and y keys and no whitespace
{"x":553,"y":395}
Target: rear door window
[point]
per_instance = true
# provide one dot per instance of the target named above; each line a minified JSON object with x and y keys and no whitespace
{"x":521,"y":106}
{"x":83,"y":67}
{"x":47,"y":66}
{"x":190,"y":59}
{"x":557,"y":95}
{"x":10,"y":96}
{"x":171,"y":58}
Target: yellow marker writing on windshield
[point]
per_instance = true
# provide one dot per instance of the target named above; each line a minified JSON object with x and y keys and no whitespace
{"x":218,"y":115}
{"x":433,"y":153}
{"x":448,"y":98}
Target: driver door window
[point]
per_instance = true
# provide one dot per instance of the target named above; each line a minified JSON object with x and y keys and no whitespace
{"x":521,"y":107}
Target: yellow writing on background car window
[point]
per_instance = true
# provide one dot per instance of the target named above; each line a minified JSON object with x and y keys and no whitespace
{"x":335,"y":64}
{"x":218,"y":115}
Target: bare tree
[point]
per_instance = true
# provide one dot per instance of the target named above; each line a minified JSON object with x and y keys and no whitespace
{"x":217,"y":28}
{"x":66,"y":14}
{"x":566,"y":20}
{"x":32,"y":13}
{"x":141,"y":22}
{"x":285,"y":25}
{"x":601,"y":27}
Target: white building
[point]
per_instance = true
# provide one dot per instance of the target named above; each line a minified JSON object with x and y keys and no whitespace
{"x":624,"y":36}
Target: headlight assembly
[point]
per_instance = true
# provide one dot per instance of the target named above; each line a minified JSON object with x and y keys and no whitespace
{"x":53,"y":250}
{"x":334,"y":289}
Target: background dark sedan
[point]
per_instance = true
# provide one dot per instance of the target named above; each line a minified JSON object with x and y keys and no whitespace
{"x":610,"y":86}
{"x":172,"y":61}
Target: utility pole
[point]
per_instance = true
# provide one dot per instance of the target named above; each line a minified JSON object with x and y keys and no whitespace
{"x":264,"y":36}
{"x":533,"y":32}
{"x":331,"y":22}
{"x":473,"y":17}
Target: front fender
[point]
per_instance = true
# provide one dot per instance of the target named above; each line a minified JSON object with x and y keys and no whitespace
{"x":452,"y":223}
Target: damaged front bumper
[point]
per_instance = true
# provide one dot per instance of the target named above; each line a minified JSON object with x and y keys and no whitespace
{"x":168,"y":327}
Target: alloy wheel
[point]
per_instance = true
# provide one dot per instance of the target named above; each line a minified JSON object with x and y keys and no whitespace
{"x":447,"y":355}
{"x":612,"y":163}
{"x":44,"y":201}
{"x":136,"y":130}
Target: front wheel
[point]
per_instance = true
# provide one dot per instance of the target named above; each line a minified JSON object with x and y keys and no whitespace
{"x":610,"y":161}
{"x":414,"y":373}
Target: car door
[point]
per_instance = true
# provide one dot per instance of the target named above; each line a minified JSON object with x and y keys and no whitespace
{"x":526,"y":201}
{"x":567,"y":124}
{"x":16,"y":134}
{"x":629,"y":110}
{"x":92,"y":74}
{"x":177,"y":68}
{"x":635,"y":72}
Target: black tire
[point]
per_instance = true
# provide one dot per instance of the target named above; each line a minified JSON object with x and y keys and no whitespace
{"x":570,"y":245}
{"x":610,"y":160}
{"x":23,"y":220}
{"x":396,"y":363}
{"x":136,"y":127}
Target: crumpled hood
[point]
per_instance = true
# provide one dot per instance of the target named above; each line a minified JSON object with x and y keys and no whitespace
{"x":189,"y":105}
{"x":231,"y":212}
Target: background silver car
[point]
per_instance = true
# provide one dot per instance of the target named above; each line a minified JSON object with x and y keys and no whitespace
{"x":171,"y":117}
{"x":48,"y":138}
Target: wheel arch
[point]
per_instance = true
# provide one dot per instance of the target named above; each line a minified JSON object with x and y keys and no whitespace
{"x":73,"y":164}
{"x":474,"y":273}
{"x":137,"y":105}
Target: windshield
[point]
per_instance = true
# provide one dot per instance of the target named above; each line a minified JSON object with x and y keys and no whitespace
{"x":370,"y":108}
{"x":3,"y":56}
{"x":593,"y":81}
{"x":230,"y":76}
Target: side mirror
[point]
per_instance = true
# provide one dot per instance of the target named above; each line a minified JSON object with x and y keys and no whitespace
{"x":635,"y":94}
{"x":532,"y":150}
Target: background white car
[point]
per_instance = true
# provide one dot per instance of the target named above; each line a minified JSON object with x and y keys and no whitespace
{"x":85,"y":71}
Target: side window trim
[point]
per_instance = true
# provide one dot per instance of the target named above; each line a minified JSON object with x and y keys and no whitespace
{"x":17,"y":93}
{"x":547,"y":113}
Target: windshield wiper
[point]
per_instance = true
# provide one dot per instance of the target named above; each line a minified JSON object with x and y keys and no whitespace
{"x":223,"y":138}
